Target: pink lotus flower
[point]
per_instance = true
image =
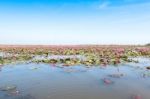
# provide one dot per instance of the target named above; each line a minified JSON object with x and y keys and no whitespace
{"x":137,"y":96}
{"x":107,"y":81}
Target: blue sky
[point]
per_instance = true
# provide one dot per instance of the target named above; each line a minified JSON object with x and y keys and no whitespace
{"x":74,"y":21}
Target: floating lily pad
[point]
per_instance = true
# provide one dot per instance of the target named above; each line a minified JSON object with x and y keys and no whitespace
{"x":33,"y":68}
{"x":117,"y":75}
{"x":107,"y":81}
{"x":8,"y":88}
{"x":146,"y":74}
{"x":11,"y":90}
{"x":148,"y":67}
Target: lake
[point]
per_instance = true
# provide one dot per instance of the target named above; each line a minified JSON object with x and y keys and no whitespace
{"x":47,"y":81}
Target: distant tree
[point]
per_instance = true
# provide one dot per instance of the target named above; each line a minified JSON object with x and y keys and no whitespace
{"x":148,"y":44}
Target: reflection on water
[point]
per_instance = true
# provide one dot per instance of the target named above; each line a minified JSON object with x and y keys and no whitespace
{"x":59,"y":56}
{"x":42,"y":81}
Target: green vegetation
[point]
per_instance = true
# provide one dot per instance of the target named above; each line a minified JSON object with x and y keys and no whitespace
{"x":91,"y":55}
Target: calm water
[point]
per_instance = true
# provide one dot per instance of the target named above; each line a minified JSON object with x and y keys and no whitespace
{"x":42,"y":81}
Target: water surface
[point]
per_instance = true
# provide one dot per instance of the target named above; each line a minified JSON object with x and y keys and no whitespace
{"x":46,"y":81}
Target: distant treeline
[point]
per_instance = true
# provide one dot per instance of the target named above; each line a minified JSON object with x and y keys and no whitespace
{"x":148,"y":44}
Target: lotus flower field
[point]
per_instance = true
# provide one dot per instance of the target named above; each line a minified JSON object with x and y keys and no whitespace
{"x":73,"y":55}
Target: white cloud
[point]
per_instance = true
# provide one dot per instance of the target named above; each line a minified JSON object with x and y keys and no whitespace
{"x":129,"y":0}
{"x":104,"y":5}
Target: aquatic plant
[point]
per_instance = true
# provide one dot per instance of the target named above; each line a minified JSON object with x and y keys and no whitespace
{"x":93,"y":55}
{"x":107,"y":81}
{"x":10,"y":90}
{"x":138,"y":96}
{"x":1,"y":60}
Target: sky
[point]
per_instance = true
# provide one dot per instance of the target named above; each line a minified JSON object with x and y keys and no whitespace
{"x":74,"y":22}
